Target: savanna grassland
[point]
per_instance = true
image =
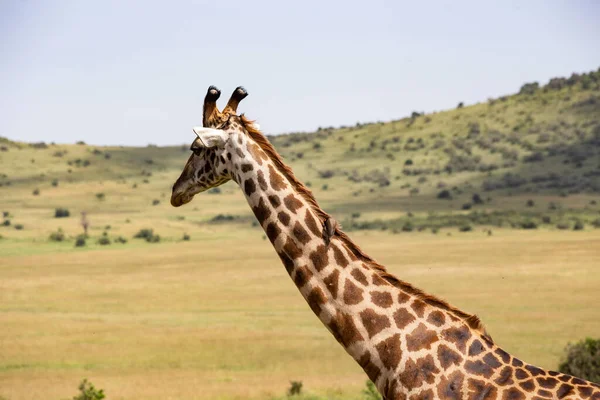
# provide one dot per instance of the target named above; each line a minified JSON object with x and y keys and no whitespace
{"x":492,"y":206}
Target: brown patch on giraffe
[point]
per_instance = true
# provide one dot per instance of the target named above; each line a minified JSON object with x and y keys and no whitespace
{"x":527,"y":385}
{"x":403,"y":317}
{"x":347,"y":329}
{"x":315,"y":300}
{"x":503,"y":355}
{"x":257,"y":153}
{"x":277,"y":181}
{"x":311,"y":224}
{"x":564,"y":390}
{"x":436,"y":318}
{"x":367,"y":365}
{"x":577,"y":381}
{"x":319,"y":258}
{"x":373,"y":322}
{"x":302,"y":276}
{"x":359,"y":276}
{"x":390,"y":390}
{"x":419,"y":307}
{"x":564,"y":378}
{"x":421,"y":338}
{"x":424,"y":395}
{"x":459,"y":336}
{"x":517,"y":363}
{"x":283,"y":217}
{"x":261,"y":211}
{"x":390,"y":352}
{"x":521,"y":373}
{"x":300,"y":233}
{"x":544,"y":393}
{"x":292,"y":203}
{"x":505,"y":377}
{"x":547,"y":383}
{"x":415,"y":373}
{"x":450,"y":387}
{"x":261,"y":180}
{"x":352,"y":293}
{"x":288,"y":263}
{"x":332,"y":282}
{"x":480,"y":390}
{"x":240,"y":153}
{"x":245,"y":167}
{"x":513,"y":394}
{"x":272,"y":231}
{"x":478,"y":367}
{"x":476,"y":348}
{"x":492,"y":361}
{"x":379,"y":281}
{"x":448,"y":357}
{"x":382,"y":299}
{"x":339,"y":257}
{"x":291,"y":249}
{"x":585,"y":391}
{"x":249,"y":187}
{"x":535,"y":371}
{"x":403,"y":297}
{"x":268,"y":151}
{"x":274,"y":200}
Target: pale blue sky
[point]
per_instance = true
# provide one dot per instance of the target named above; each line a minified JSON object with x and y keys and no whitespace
{"x":135,"y":72}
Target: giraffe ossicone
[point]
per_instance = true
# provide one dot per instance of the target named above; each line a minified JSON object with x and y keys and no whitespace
{"x":412,"y":345}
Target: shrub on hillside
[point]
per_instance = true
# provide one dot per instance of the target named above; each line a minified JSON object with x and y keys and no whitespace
{"x":80,"y":241}
{"x":582,"y":360}
{"x":87,"y":391}
{"x":58,"y":236}
{"x":55,"y":182}
{"x":465,"y":228}
{"x":445,"y":195}
{"x":19,"y":227}
{"x":529,"y":224}
{"x":148,"y":235}
{"x":36,"y":192}
{"x":155,"y":202}
{"x":61,"y":213}
{"x":121,"y":240}
{"x":295,"y":388}
{"x":579,"y":226}
{"x":186,"y":237}
{"x":100,"y":196}
{"x":6,"y":222}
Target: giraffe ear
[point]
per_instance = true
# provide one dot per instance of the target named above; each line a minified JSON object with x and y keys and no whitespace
{"x":211,"y":137}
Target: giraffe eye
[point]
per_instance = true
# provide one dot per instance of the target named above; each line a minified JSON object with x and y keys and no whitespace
{"x":196,"y":152}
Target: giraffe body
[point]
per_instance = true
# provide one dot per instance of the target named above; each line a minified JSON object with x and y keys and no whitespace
{"x":410,"y":344}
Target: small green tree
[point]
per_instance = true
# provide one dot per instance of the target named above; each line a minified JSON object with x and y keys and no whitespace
{"x":582,"y":360}
{"x":87,"y":391}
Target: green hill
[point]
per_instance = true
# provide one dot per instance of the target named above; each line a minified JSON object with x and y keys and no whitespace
{"x":527,"y":160}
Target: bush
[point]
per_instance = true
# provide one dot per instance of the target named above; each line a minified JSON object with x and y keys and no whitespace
{"x":530,"y":203}
{"x":6,"y":222}
{"x":445,"y":195}
{"x":80,"y":241}
{"x":186,"y":237}
{"x":528,"y":225}
{"x":19,"y":227}
{"x":295,"y":388}
{"x":407,"y":227}
{"x":100,"y":196}
{"x":148,"y":235}
{"x":563,"y":226}
{"x":103,"y":240}
{"x":61,"y":213}
{"x":87,"y":391}
{"x":579,"y":226}
{"x":465,"y":228}
{"x":477,"y":199}
{"x":36,"y":192}
{"x":57,"y":236}
{"x":408,"y":162}
{"x":215,"y":190}
{"x":582,"y":360}
{"x":596,"y":223}
{"x":466,"y":206}
{"x":121,"y":240}
{"x":155,"y":202}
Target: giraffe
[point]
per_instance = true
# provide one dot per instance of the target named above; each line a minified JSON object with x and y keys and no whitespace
{"x":412,"y":345}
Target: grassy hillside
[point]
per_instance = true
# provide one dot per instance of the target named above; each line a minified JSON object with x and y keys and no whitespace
{"x":526,"y":160}
{"x":179,"y":317}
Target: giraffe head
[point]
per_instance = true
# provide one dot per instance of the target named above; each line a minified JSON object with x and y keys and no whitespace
{"x":208,"y":165}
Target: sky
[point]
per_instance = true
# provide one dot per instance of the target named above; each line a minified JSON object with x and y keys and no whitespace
{"x":135,"y":72}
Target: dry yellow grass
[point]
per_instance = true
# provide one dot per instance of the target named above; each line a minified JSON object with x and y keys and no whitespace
{"x":218,"y":317}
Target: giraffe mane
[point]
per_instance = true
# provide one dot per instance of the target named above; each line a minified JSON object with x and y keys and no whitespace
{"x":471,"y":320}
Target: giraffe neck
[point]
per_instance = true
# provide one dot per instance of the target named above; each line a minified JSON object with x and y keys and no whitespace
{"x":410,"y":344}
